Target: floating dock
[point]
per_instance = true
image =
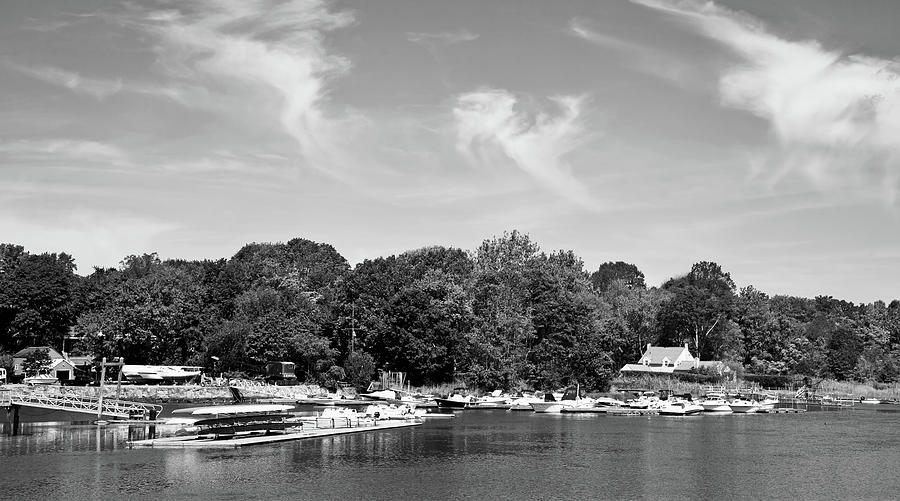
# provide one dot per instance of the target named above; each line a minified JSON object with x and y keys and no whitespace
{"x":585,"y":410}
{"x":625,"y":411}
{"x":205,"y":442}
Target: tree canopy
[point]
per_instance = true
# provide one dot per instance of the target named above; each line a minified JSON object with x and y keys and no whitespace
{"x":503,"y":315}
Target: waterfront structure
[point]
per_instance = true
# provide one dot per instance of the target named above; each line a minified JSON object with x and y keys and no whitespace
{"x":672,"y":359}
{"x":59,"y":367}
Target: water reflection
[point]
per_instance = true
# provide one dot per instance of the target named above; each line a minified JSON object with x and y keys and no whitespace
{"x":485,"y":454}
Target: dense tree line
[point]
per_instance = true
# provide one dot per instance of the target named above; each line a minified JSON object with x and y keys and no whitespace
{"x":504,"y":315}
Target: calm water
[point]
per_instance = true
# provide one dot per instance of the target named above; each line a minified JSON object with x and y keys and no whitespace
{"x":484,"y":455}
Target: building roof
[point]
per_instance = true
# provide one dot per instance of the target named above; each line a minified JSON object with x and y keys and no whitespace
{"x":27,"y":351}
{"x":61,"y":364}
{"x":658,"y":353}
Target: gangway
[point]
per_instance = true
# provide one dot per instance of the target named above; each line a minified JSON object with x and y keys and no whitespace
{"x":55,"y":398}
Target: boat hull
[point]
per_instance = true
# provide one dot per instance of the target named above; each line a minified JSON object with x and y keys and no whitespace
{"x":450,"y":404}
{"x":549,"y":407}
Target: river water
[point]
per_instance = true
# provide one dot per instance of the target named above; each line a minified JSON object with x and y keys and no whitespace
{"x":484,"y":455}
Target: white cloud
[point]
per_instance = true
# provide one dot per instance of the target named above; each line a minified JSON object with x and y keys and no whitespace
{"x":831,"y":112}
{"x":491,"y":128}
{"x":97,"y":88}
{"x":641,"y":57}
{"x":260,"y":60}
{"x":58,"y":149}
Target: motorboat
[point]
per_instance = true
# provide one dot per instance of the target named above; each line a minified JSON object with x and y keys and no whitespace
{"x":523,"y":402}
{"x":41,"y":379}
{"x":570,"y":399}
{"x":495,"y":400}
{"x":645,"y":400}
{"x":679,"y":408}
{"x":744,"y":406}
{"x":160,"y":374}
{"x":455,"y":400}
{"x":716,"y":402}
{"x":392,"y":411}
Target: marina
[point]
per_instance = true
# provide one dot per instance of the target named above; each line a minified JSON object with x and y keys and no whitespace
{"x":491,"y":454}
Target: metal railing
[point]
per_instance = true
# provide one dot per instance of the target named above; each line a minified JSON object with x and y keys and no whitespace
{"x":60,"y":399}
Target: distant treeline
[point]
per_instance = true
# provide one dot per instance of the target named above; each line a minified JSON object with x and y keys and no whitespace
{"x":504,"y":315}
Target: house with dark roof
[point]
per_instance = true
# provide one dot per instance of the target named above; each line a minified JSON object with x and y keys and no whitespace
{"x":671,"y":359}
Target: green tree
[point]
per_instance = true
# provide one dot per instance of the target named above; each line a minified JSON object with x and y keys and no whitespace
{"x":610,"y":272}
{"x":700,"y":305}
{"x":359,"y":368}
{"x":36,"y":297}
{"x":502,"y":334}
{"x":36,"y":362}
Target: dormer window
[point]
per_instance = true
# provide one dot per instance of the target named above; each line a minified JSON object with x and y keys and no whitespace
{"x":665,"y":362}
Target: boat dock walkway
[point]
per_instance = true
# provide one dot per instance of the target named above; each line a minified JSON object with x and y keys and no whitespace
{"x":201,"y":442}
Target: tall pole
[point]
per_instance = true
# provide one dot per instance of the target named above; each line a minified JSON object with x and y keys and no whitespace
{"x":100,"y":397}
{"x":119,"y":379}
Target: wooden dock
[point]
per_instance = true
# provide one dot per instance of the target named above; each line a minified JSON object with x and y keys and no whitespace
{"x":200,"y":442}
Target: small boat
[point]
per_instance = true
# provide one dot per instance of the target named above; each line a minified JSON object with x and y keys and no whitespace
{"x":392,"y":411}
{"x":679,"y":408}
{"x":523,"y":401}
{"x":455,"y":400}
{"x":40,"y":379}
{"x":645,"y":400}
{"x":570,"y":399}
{"x":744,"y":406}
{"x":495,"y":400}
{"x":715,"y":402}
{"x":871,"y":401}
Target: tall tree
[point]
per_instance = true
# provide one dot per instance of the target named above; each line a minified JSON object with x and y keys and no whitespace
{"x":700,"y":305}
{"x":36,"y":297}
{"x":610,"y":272}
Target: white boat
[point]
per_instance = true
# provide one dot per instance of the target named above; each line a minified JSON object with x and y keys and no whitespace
{"x":523,"y":402}
{"x":645,"y":400}
{"x":392,"y":411}
{"x":679,"y":408}
{"x":495,"y":400}
{"x":40,"y":379}
{"x":716,"y":402}
{"x":744,"y":406}
{"x":234,"y":410}
{"x":455,"y":400}
{"x":570,"y":399}
{"x":159,"y":374}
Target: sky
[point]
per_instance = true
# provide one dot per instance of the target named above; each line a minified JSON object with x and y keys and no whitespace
{"x":762,"y":135}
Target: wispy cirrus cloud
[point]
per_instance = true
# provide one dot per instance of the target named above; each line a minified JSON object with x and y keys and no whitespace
{"x":262,"y":62}
{"x":97,"y":88}
{"x":836,"y":115}
{"x":442,"y":38}
{"x":57,"y":149}
{"x":644,"y":58}
{"x":492,"y":128}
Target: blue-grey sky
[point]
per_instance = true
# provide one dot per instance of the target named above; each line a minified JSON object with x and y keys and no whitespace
{"x":763,"y":135}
